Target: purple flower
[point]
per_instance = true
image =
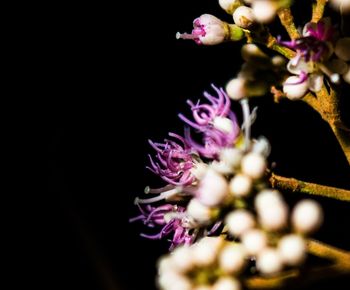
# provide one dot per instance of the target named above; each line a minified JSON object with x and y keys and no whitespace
{"x":174,"y":161}
{"x":173,"y":221}
{"x":315,"y":43}
{"x":215,"y":121}
{"x":311,"y":61}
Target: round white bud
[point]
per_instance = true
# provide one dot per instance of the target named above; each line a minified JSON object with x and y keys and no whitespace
{"x":292,"y":249}
{"x":307,"y":216}
{"x":182,"y":259}
{"x":221,"y":167}
{"x":254,"y":241}
{"x":251,"y":51}
{"x":165,"y":264}
{"x":274,"y":217}
{"x":232,"y":258}
{"x":223,"y":124}
{"x":240,"y":221}
{"x":264,"y":10}
{"x":266,"y":198}
{"x":269,"y":261}
{"x":254,"y":165}
{"x":293,"y":89}
{"x":236,"y":89}
{"x":231,"y":156}
{"x":205,"y":252}
{"x":342,"y":48}
{"x":213,"y":188}
{"x":199,"y":211}
{"x":227,"y":283}
{"x":199,"y":169}
{"x":342,"y":5}
{"x":278,"y":60}
{"x":338,"y":66}
{"x":229,"y":5}
{"x":241,"y":185}
{"x":346,"y":76}
{"x":167,"y":280}
{"x":244,"y":17}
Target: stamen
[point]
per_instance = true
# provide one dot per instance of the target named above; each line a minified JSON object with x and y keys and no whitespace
{"x":246,"y":121}
{"x":163,"y":195}
{"x":185,"y":36}
{"x":334,"y":77}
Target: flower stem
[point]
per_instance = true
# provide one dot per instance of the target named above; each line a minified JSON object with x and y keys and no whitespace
{"x":326,"y":103}
{"x":287,"y":20}
{"x":340,"y":266}
{"x":318,"y":10}
{"x":294,"y":185}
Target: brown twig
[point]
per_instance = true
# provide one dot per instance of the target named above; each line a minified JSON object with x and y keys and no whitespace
{"x":287,"y":20}
{"x":294,"y":185}
{"x":318,"y":10}
{"x":326,"y":103}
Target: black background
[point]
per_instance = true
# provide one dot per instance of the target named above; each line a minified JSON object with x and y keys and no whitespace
{"x":116,"y":77}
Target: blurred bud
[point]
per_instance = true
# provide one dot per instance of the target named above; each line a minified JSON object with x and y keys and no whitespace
{"x":244,"y":17}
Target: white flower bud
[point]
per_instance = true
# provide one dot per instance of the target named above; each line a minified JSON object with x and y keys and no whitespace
{"x":252,"y":52}
{"x":199,"y":211}
{"x":294,"y":91}
{"x":205,"y":252}
{"x":229,"y":5}
{"x":223,"y":124}
{"x":232,"y":258}
{"x":254,"y":165}
{"x":266,"y":198}
{"x":254,"y":241}
{"x":346,"y":76}
{"x":213,"y":189}
{"x":264,"y":10}
{"x":338,"y":66}
{"x":274,"y":217}
{"x":231,"y":156}
{"x":182,"y":259}
{"x":165,"y":264}
{"x":239,"y":221}
{"x":307,"y":216}
{"x":342,"y":48}
{"x":342,"y":5}
{"x":221,"y":167}
{"x":236,"y":89}
{"x":199,"y":169}
{"x":278,"y":60}
{"x":227,"y":283}
{"x":269,"y":261}
{"x":243,"y":17}
{"x":170,"y":280}
{"x":292,"y":249}
{"x":241,"y":185}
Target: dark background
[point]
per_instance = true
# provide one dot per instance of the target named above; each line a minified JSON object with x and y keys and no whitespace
{"x":112,"y":83}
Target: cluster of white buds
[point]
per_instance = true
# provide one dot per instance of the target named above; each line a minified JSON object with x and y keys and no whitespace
{"x":210,"y":264}
{"x":256,"y":73}
{"x":247,"y":12}
{"x":258,"y":232}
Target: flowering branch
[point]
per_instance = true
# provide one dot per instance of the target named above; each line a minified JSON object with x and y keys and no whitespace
{"x":287,"y":20}
{"x":318,"y":10}
{"x":294,"y":185}
{"x":340,"y":266}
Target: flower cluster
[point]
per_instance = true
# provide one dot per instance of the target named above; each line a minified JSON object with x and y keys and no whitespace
{"x":216,"y":209}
